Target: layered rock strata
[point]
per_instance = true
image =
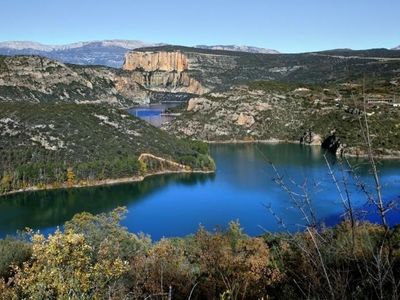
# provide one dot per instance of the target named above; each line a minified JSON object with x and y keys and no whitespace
{"x":163,"y":71}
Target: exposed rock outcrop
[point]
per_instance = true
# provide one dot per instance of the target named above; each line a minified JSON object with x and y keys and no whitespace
{"x":39,"y":79}
{"x":245,"y":120}
{"x":310,"y":138}
{"x":163,"y":71}
{"x":168,"y":61}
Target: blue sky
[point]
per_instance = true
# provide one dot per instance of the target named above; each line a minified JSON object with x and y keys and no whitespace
{"x":288,"y":26}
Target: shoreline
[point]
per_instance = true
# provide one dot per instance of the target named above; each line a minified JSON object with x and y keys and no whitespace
{"x":277,"y":141}
{"x":110,"y":181}
{"x":104,"y":182}
{"x":270,"y":141}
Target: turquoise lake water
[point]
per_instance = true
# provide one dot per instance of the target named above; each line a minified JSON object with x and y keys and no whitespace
{"x":176,"y":204}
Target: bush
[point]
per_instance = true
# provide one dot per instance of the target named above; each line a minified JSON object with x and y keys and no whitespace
{"x":13,"y":251}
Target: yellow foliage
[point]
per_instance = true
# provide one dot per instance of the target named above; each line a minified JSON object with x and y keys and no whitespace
{"x":250,"y":138}
{"x":6,"y":180}
{"x":70,"y":177}
{"x":55,"y":184}
{"x":6,"y":291}
{"x":64,"y":266}
{"x":143,"y":167}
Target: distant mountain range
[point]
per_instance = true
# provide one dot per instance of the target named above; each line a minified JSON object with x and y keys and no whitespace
{"x":107,"y":52}
{"x":248,"y":49}
{"x":126,"y":44}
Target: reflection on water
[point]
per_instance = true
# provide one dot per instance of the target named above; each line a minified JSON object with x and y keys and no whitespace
{"x":49,"y":209}
{"x":176,"y":204}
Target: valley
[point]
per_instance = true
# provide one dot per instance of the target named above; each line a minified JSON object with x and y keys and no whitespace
{"x":57,"y":117}
{"x":74,"y":155}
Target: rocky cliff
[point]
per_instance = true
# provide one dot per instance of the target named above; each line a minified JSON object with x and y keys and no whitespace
{"x":156,"y":61}
{"x":163,"y":71}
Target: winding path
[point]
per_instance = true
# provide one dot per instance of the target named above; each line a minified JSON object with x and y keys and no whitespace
{"x":168,"y":161}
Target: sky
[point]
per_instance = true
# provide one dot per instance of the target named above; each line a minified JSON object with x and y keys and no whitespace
{"x":288,"y":26}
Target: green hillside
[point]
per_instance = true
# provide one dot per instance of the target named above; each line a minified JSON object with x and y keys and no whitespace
{"x":41,"y":142}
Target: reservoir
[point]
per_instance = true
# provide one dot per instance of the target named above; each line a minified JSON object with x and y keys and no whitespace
{"x":242,"y":188}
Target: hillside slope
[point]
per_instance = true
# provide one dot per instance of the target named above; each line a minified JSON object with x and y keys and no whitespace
{"x":40,"y":143}
{"x":38,"y":79}
{"x":288,"y":112}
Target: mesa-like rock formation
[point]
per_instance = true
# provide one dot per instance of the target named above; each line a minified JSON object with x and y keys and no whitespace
{"x":156,"y":61}
{"x":163,"y":71}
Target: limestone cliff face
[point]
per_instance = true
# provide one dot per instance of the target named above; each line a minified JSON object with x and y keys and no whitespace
{"x":163,"y":71}
{"x":156,"y":61}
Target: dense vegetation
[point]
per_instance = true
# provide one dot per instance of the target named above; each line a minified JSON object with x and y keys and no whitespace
{"x":68,"y":144}
{"x":96,"y":258}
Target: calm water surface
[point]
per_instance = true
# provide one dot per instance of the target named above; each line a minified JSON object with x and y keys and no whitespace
{"x":176,"y":204}
{"x":152,"y":113}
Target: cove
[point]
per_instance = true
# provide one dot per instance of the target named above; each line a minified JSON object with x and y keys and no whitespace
{"x":171,"y":205}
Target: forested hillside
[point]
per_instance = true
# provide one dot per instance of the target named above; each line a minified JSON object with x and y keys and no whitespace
{"x":51,"y":145}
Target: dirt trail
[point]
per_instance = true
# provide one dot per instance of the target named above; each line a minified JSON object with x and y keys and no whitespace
{"x":170,"y":162}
